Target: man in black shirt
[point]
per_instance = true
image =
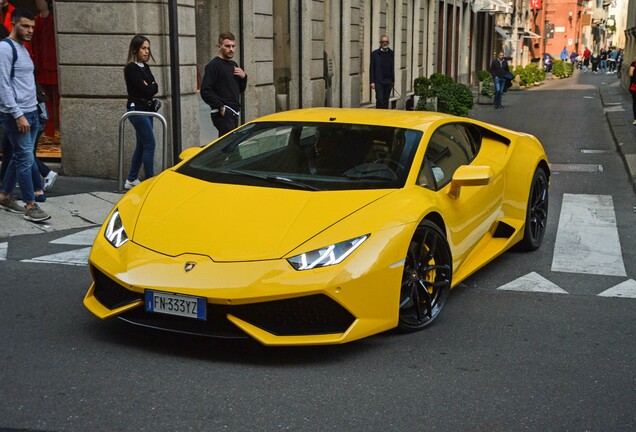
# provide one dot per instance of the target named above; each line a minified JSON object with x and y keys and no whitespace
{"x":222,"y":84}
{"x":499,"y":70}
{"x":382,"y":74}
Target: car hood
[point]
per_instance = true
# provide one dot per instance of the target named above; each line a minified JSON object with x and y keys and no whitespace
{"x":229,"y":222}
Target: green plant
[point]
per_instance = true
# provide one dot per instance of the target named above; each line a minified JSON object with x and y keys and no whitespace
{"x":483,"y":75}
{"x":535,"y":73}
{"x":452,"y":98}
{"x":530,"y":74}
{"x":439,"y":79}
{"x":520,"y":72}
{"x":562,"y":69}
{"x":456,"y":99}
{"x":422,"y":87}
{"x":487,"y":86}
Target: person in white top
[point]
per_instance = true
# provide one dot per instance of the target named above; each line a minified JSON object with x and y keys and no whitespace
{"x":19,"y":115}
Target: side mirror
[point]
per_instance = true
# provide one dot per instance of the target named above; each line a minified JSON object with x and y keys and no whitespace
{"x":467,"y":175}
{"x":189,"y":152}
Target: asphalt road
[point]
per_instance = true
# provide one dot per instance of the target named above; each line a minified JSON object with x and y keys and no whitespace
{"x":495,"y":360}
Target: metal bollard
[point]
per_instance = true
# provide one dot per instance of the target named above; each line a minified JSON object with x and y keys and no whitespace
{"x":162,"y":119}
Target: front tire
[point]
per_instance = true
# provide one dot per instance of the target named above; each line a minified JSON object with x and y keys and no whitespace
{"x":426,"y":282}
{"x":537,"y":213}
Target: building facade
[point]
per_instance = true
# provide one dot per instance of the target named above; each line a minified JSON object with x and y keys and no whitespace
{"x":630,"y":41}
{"x":297,"y":53}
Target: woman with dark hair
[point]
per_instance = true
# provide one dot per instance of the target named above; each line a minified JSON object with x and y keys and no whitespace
{"x":141,"y":87}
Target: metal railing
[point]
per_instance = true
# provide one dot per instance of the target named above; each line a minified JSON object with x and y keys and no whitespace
{"x":162,"y":119}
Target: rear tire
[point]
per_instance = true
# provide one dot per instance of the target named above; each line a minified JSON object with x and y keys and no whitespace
{"x":426,"y":282}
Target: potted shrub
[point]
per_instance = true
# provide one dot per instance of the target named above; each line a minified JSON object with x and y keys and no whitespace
{"x":450,"y":97}
{"x":486,"y":88}
{"x":425,"y":98}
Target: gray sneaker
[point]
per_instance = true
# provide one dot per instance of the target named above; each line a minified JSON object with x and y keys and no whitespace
{"x":11,"y":205}
{"x":36,"y":214}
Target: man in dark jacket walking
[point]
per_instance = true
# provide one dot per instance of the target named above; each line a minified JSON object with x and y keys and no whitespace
{"x":498,"y":70}
{"x":382,"y":74}
{"x":222,"y":85}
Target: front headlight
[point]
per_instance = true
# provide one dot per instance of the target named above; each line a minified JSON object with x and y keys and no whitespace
{"x":326,"y":256}
{"x":115,"y":232}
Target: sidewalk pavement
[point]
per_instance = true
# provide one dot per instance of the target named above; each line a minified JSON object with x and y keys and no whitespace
{"x":81,"y":202}
{"x":617,"y":105}
{"x":73,"y":202}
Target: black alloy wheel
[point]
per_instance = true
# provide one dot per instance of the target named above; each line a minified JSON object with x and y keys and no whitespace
{"x":426,"y":283}
{"x":537,"y":213}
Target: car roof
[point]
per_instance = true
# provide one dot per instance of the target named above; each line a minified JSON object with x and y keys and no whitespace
{"x":393,"y":118}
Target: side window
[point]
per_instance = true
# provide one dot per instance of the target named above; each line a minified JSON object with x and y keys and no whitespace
{"x":450,"y":147}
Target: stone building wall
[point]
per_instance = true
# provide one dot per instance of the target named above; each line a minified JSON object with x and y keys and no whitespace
{"x":296,"y":53}
{"x":92,"y":40}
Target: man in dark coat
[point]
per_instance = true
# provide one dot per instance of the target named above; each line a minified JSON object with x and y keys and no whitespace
{"x":499,"y":70}
{"x":382,"y":75}
{"x":222,"y":85}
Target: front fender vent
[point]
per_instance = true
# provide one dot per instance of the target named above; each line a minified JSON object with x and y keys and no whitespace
{"x":110,"y":293}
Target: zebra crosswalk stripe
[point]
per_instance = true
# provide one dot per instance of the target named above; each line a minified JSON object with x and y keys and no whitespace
{"x":587,"y":239}
{"x":625,"y":289}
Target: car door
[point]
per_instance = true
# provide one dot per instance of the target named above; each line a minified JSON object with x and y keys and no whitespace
{"x":471,"y":213}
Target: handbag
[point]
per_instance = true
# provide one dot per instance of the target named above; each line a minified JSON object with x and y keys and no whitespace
{"x":150,"y":105}
{"x":509,"y":76}
{"x":632,"y":88}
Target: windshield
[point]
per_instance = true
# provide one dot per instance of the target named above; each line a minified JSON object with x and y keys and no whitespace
{"x":309,"y":156}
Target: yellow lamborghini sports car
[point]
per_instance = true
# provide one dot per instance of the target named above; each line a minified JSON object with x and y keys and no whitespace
{"x":319,"y":226}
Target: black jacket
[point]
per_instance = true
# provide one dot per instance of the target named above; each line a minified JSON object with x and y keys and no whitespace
{"x":140,"y":85}
{"x":220,"y":86}
{"x":382,"y":70}
{"x":499,"y":68}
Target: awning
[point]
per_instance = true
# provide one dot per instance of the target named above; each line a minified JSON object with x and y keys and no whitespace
{"x":502,"y":32}
{"x":530,"y":35}
{"x":492,"y":6}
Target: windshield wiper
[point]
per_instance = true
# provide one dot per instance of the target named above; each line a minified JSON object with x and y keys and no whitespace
{"x":274,"y":179}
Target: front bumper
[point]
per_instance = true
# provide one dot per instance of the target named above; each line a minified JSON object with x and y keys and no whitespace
{"x":266,"y":300}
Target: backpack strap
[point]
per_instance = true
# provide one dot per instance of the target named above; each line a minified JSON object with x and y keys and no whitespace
{"x":15,"y":55}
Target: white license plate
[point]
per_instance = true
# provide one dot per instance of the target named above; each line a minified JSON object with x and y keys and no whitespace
{"x":176,"y":304}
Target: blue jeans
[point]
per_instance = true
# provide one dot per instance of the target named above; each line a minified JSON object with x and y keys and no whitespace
{"x":145,"y":148}
{"x":7,"y":155}
{"x":21,"y":166}
{"x":500,"y":84}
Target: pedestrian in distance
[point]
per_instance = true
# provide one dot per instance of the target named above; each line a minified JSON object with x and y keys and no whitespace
{"x":595,"y":59}
{"x":603,"y":64}
{"x":547,"y":62}
{"x":222,"y":85}
{"x":499,"y":69}
{"x":382,"y":73}
{"x":19,"y":115}
{"x":611,"y":60}
{"x":574,"y":57}
{"x":142,"y":88}
{"x":564,"y":54}
{"x":586,"y":59}
{"x":632,"y":87}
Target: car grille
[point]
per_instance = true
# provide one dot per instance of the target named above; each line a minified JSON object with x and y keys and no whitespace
{"x":110,"y":293}
{"x":311,"y":315}
{"x":315,"y":314}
